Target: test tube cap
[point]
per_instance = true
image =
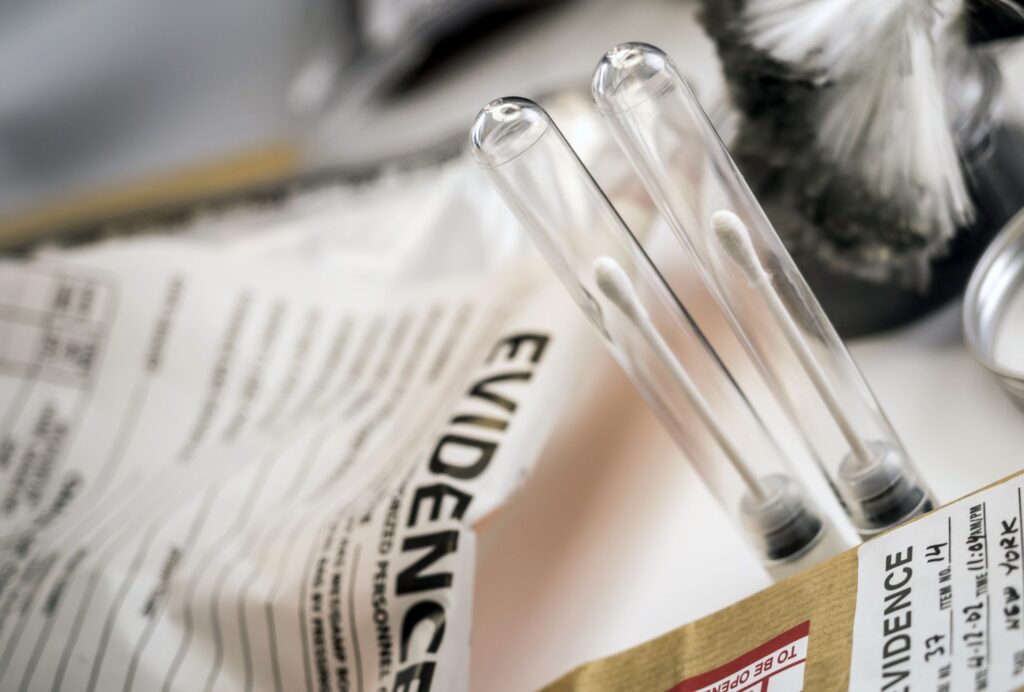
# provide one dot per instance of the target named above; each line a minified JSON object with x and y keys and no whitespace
{"x":882,"y":493}
{"x":781,"y":524}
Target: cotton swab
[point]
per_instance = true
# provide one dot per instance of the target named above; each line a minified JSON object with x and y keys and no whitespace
{"x":617,"y":288}
{"x":734,"y":238}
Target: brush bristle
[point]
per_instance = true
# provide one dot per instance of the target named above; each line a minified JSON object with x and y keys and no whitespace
{"x":883,"y":119}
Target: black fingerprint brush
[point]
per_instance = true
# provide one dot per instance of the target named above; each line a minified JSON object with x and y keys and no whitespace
{"x":859,"y":118}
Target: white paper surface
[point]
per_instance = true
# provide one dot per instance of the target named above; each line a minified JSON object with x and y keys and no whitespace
{"x":939,"y":601}
{"x":224,"y":473}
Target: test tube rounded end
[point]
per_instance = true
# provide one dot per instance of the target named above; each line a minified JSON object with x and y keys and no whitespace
{"x":630,"y":74}
{"x":505,"y":128}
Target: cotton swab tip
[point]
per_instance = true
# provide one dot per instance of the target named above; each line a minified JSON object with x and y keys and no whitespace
{"x":734,"y":238}
{"x":617,"y":287}
{"x":613,"y":282}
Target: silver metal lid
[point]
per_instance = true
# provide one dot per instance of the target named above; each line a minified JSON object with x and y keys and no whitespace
{"x":994,"y":287}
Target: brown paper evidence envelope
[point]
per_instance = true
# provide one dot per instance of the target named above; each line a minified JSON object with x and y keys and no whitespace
{"x":816,"y":606}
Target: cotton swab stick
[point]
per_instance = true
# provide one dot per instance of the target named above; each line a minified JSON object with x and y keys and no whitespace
{"x":617,"y":288}
{"x":734,"y":238}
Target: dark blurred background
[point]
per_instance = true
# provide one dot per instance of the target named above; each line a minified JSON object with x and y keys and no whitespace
{"x":111,"y":107}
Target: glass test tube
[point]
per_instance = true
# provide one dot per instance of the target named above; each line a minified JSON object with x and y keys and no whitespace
{"x":646,"y":327}
{"x":698,"y":189}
